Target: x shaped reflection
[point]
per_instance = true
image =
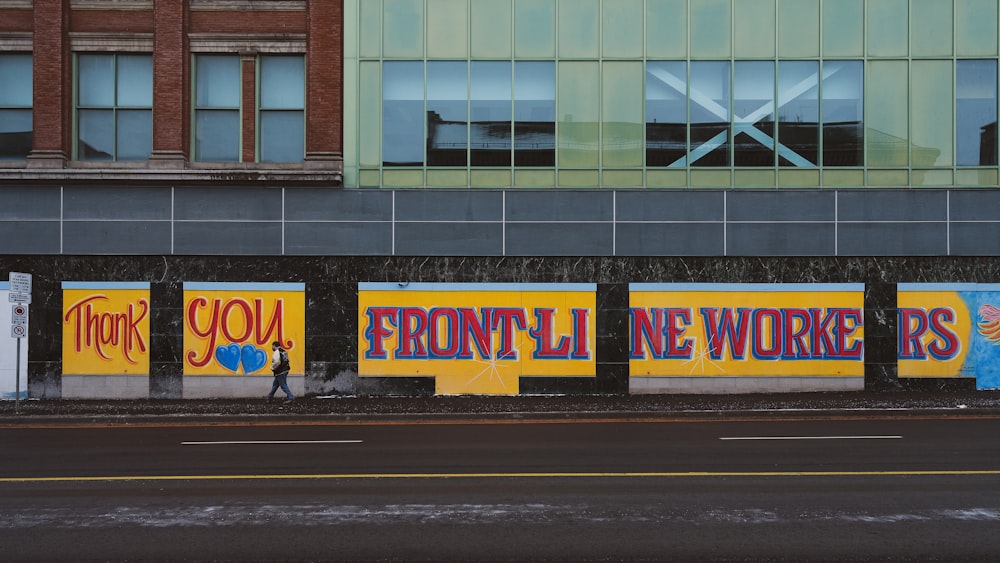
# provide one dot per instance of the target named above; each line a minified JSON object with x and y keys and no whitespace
{"x":740,"y":124}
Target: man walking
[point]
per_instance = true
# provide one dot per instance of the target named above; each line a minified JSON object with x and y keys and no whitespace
{"x":280,"y":367}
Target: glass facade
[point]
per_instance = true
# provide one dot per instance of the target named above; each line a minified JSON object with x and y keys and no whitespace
{"x":671,"y":93}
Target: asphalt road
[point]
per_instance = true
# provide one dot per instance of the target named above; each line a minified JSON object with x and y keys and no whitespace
{"x":810,"y":489}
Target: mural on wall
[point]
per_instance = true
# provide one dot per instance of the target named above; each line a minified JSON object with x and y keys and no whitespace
{"x":476,"y":338}
{"x":949,"y":330}
{"x":105,"y":328}
{"x":229,"y":327}
{"x":9,"y":384}
{"x":695,"y":330}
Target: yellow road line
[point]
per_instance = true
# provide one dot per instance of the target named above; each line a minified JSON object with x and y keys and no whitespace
{"x":666,"y":474}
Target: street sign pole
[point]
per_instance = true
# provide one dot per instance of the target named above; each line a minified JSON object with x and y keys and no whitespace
{"x":17,"y":376}
{"x":20,"y":294}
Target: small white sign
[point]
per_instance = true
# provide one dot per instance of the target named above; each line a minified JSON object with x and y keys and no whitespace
{"x":18,"y":331}
{"x":20,"y":288}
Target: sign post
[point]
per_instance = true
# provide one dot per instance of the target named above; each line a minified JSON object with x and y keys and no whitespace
{"x":20,"y":295}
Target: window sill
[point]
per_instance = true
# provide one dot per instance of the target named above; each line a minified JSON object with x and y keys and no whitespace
{"x":311,"y":173}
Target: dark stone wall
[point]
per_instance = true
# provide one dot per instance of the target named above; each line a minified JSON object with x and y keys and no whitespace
{"x":332,"y":301}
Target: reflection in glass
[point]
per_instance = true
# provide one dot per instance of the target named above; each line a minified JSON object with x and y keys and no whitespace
{"x":843,"y":121}
{"x":753,"y":114}
{"x":976,"y":112}
{"x":447,"y":113}
{"x":96,"y":83}
{"x":402,"y":113}
{"x":798,"y":113}
{"x":666,"y":112}
{"x":534,"y":114}
{"x":490,"y":128}
{"x":96,"y":134}
{"x":709,"y":98}
{"x":15,"y":105}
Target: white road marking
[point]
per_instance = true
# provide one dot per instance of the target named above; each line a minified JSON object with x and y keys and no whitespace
{"x":811,"y":438}
{"x":270,"y":442}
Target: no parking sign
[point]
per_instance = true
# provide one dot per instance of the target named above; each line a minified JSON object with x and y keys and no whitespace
{"x":19,"y":320}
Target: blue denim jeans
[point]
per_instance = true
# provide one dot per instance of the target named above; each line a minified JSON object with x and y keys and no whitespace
{"x":281,"y":380}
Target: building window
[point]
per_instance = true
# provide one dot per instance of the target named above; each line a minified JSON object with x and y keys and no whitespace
{"x":282,"y":109}
{"x":114,"y":107}
{"x":15,"y":106}
{"x":749,"y":115}
{"x":976,"y":112}
{"x":483,"y":113}
{"x":217,"y":108}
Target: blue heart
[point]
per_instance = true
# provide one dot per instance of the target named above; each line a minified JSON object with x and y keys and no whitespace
{"x":228,"y":356}
{"x":253,"y":358}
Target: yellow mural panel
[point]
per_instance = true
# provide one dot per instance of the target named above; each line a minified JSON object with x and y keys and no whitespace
{"x":476,"y":338}
{"x":229,"y":327}
{"x":708,"y":330}
{"x":105,"y":328}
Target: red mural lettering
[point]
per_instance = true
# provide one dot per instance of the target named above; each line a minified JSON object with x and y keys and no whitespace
{"x":224,"y":317}
{"x":106,"y":331}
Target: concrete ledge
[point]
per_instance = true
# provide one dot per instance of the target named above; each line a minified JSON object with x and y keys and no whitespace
{"x":731,"y":385}
{"x":105,"y":386}
{"x":237,"y":386}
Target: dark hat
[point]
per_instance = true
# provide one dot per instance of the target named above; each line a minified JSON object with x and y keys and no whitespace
{"x":276,"y":344}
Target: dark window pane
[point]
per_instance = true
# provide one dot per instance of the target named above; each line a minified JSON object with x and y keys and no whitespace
{"x":666,"y":113}
{"x":97,"y":134}
{"x":403,"y":113}
{"x":534,"y":114}
{"x":976,"y":113}
{"x":843,"y":111}
{"x":490,"y":126}
{"x":710,"y":117}
{"x":15,"y":133}
{"x":798,"y":113}
{"x":447,"y":113}
{"x":753,"y":114}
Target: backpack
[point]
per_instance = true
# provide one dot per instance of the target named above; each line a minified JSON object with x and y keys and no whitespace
{"x":283,"y":364}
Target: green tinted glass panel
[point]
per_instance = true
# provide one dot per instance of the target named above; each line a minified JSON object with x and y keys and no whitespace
{"x":931,"y":28}
{"x":888,"y":26}
{"x":843,"y":28}
{"x":622,"y":116}
{"x":798,"y":28}
{"x":579,"y":28}
{"x":534,"y":28}
{"x":404,"y":28}
{"x":492,"y":28}
{"x":371,"y":28}
{"x":754,"y":28}
{"x":579,"y":116}
{"x":975,"y":27}
{"x":887,"y":133}
{"x":622,"y":23}
{"x":370,"y":114}
{"x":448,"y":29}
{"x":710,"y":28}
{"x":666,"y":28}
{"x":933,"y":125}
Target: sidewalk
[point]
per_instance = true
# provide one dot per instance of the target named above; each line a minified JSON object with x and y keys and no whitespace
{"x":957,"y":403}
